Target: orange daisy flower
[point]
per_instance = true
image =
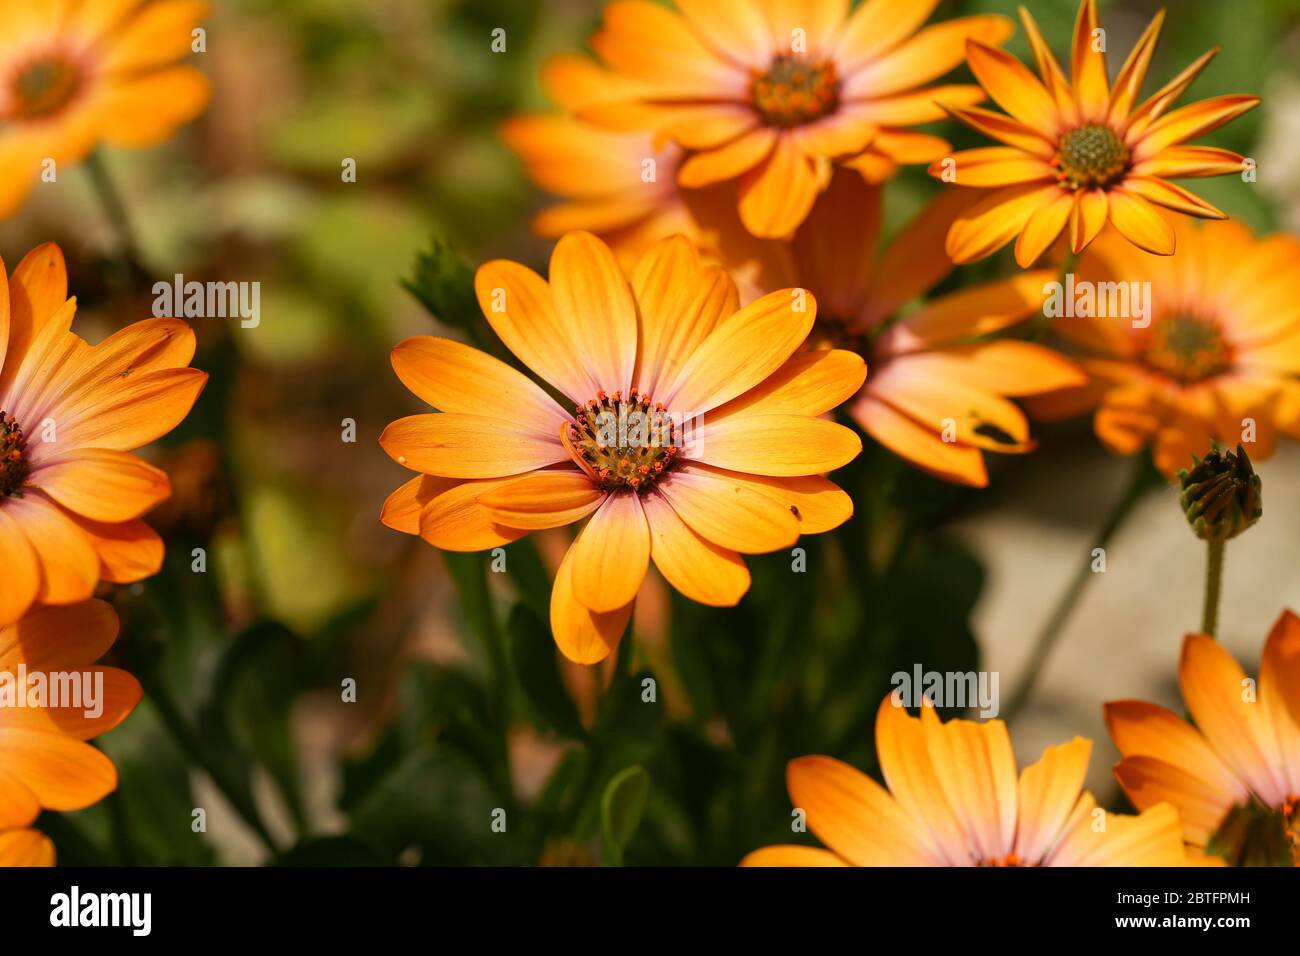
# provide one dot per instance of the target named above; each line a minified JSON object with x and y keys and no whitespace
{"x":772,"y":95}
{"x":70,"y":496}
{"x":954,"y":800}
{"x":1215,"y":357}
{"x":44,"y":760}
{"x":75,"y":74}
{"x":939,"y":390}
{"x":692,"y":435}
{"x":1079,"y":153}
{"x":1235,"y":776}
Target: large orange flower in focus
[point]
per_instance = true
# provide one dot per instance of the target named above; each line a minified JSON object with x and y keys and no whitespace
{"x":71,"y":497}
{"x":738,"y":472}
{"x":77,"y":74}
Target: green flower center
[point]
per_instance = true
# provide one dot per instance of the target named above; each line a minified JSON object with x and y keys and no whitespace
{"x":624,"y":444}
{"x":44,"y":88}
{"x":794,"y":92}
{"x":1091,"y":156}
{"x":1187,"y":348}
{"x":13,"y":463}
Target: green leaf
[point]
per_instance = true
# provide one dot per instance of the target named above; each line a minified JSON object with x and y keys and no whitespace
{"x":621,"y":809}
{"x":444,"y":284}
{"x":532,"y":652}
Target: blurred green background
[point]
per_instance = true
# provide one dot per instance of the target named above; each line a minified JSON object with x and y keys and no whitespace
{"x":462,"y":708}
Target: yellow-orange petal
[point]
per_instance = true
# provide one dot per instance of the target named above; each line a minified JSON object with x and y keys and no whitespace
{"x":1149,"y":781}
{"x":728,"y":513}
{"x":1128,"y":83}
{"x":543,"y":499}
{"x":809,"y":383}
{"x":1190,"y":121}
{"x":25,"y":848}
{"x":994,"y":221}
{"x":128,"y":551}
{"x":1048,"y":791}
{"x":775,"y":196}
{"x":1090,"y":214}
{"x":611,"y":556}
{"x":1141,"y":223}
{"x":995,"y":166}
{"x":454,"y":377}
{"x":909,"y":772}
{"x":1172,"y":196}
{"x":1013,"y":87}
{"x":101,"y":484}
{"x":517,"y":304}
{"x":1043,"y":228}
{"x":62,"y":773}
{"x":1005,"y":129}
{"x":791,"y":855}
{"x":699,"y":569}
{"x":594,"y":301}
{"x":452,"y":518}
{"x":876,"y":27}
{"x":778,"y":445}
{"x":21,"y":569}
{"x":855,"y":816}
{"x":1088,"y":65}
{"x":742,"y":351}
{"x":583,"y":635}
{"x":468,"y":446}
{"x":923,"y":447}
{"x":69,"y":565}
{"x":727,"y":161}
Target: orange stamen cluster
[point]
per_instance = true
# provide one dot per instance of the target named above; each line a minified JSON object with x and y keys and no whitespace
{"x":13,"y":464}
{"x":1091,"y":157}
{"x":794,"y":92}
{"x":1011,"y":859}
{"x":1187,"y":348}
{"x":43,"y":88}
{"x":623,"y":444}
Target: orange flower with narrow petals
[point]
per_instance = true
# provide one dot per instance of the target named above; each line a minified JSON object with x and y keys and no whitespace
{"x":1215,"y":357}
{"x":773,"y":95}
{"x":1079,"y":154}
{"x":939,"y":390}
{"x":45,"y":762}
{"x":1235,"y":776}
{"x":693,"y":435}
{"x":71,"y":496}
{"x":954,"y":799}
{"x":77,"y":74}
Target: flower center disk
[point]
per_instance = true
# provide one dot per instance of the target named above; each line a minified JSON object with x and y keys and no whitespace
{"x":43,"y":88}
{"x":13,"y":463}
{"x":1090,"y":157}
{"x":1187,"y":349}
{"x":623,"y":444}
{"x":794,"y":92}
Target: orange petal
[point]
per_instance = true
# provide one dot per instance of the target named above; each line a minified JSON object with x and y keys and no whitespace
{"x":783,"y":856}
{"x":929,"y":54}
{"x":1149,"y":781}
{"x":69,"y":565}
{"x":155,"y":34}
{"x":727,"y":162}
{"x":128,"y":551}
{"x":910,"y":774}
{"x":994,"y":221}
{"x":653,"y":43}
{"x":25,"y":848}
{"x":809,"y":383}
{"x":1140,"y":223}
{"x":1043,"y":228}
{"x":697,"y":568}
{"x":1088,"y":65}
{"x":735,"y":28}
{"x":453,"y":377}
{"x":1128,"y":84}
{"x":1090,"y":214}
{"x":611,"y":556}
{"x":1013,"y":87}
{"x":62,"y":773}
{"x":1004,"y":129}
{"x":101,"y":484}
{"x":920,"y":446}
{"x":544,"y":499}
{"x":468,"y":446}
{"x":778,"y":445}
{"x":776,"y":196}
{"x":583,"y":635}
{"x":977,"y":774}
{"x":452,"y":518}
{"x":742,"y":351}
{"x":594,"y":301}
{"x":1190,"y":122}
{"x":728,"y":513}
{"x":995,"y":166}
{"x":1172,"y":196}
{"x":1048,"y":791}
{"x":22,"y":571}
{"x":147,"y":108}
{"x":854,"y":815}
{"x":876,"y":27}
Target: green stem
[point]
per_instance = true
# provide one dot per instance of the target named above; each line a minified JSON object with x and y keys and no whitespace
{"x":1144,"y":477}
{"x":116,"y":211}
{"x":1213,"y":586}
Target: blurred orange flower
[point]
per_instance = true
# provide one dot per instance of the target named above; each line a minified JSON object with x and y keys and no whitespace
{"x":1215,"y":357}
{"x":70,"y":496}
{"x":694,"y":436}
{"x":773,"y":95}
{"x":75,"y":74}
{"x":938,"y":390}
{"x":954,"y":800}
{"x":44,"y":760}
{"x":1080,"y":153}
{"x":1235,"y":776}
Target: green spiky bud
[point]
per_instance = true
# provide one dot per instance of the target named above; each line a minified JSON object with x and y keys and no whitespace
{"x":1221,"y":494}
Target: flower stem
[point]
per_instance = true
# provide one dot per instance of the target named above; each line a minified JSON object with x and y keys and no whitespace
{"x":1213,"y":586}
{"x":116,"y":211}
{"x":1143,"y":479}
